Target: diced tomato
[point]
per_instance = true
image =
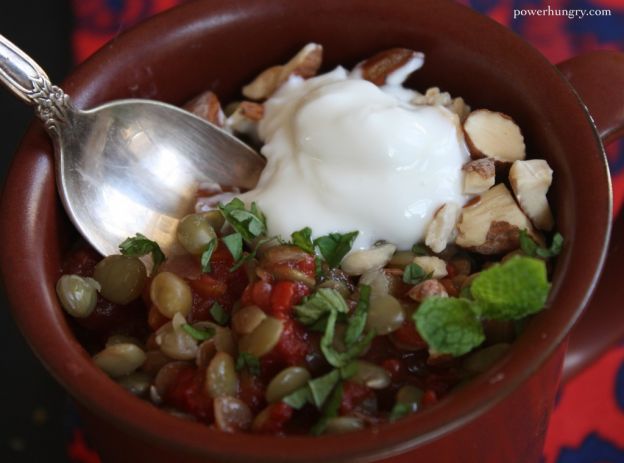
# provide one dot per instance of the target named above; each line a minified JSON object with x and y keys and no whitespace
{"x":186,"y":393}
{"x":353,"y":394}
{"x":258,"y":293}
{"x":429,"y":398}
{"x":451,"y":270}
{"x":251,"y":391}
{"x":450,"y":287}
{"x":307,"y":266}
{"x":285,"y":295}
{"x":274,"y":418}
{"x":81,"y":260}
{"x":395,"y":368}
{"x":408,"y":337}
{"x":208,"y":287}
{"x":290,"y":350}
{"x":155,"y":319}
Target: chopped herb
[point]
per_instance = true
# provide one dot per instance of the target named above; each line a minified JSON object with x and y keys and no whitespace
{"x":340,"y":359}
{"x":246,"y":360}
{"x":299,"y":398}
{"x":250,"y":224}
{"x":349,"y":370}
{"x":318,"y":305}
{"x":303,"y":239}
{"x":139,"y":246}
{"x":414,"y":274}
{"x":330,"y":410}
{"x":219,"y":315}
{"x":335,"y":246}
{"x":512,"y":290}
{"x":318,"y":267}
{"x":399,"y":411}
{"x":449,"y":325}
{"x":207,"y":255}
{"x":420,"y":249}
{"x":198,"y":334}
{"x":321,"y":387}
{"x":357,"y":321}
{"x":532,"y":249}
{"x":234,"y":243}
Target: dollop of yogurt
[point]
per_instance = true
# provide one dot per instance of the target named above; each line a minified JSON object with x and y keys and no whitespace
{"x":344,"y":154}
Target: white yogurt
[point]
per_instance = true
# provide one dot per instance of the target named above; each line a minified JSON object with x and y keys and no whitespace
{"x":345,"y":155}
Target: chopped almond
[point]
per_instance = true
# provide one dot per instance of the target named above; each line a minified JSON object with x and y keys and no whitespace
{"x":434,"y":97}
{"x":494,"y":135}
{"x":432,"y":265}
{"x":491,"y":224}
{"x":306,"y":64}
{"x":245,"y":118}
{"x":530,"y":181}
{"x":395,"y":62}
{"x":427,"y":288}
{"x":441,"y":228}
{"x":479,"y":176}
{"x":207,"y":106}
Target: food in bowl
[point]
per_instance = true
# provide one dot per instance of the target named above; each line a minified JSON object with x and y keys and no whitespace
{"x":381,"y":261}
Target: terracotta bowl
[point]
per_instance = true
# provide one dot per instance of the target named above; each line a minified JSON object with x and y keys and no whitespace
{"x":221,"y":45}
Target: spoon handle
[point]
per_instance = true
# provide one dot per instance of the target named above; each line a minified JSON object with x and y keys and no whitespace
{"x":28,"y":81}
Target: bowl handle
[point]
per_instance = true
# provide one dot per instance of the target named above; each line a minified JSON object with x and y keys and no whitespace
{"x":598,"y":78}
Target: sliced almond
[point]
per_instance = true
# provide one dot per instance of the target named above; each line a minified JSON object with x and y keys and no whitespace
{"x":479,"y":176}
{"x":530,"y":181}
{"x":244,"y":120}
{"x":494,"y":135}
{"x":434,"y":97}
{"x":432,"y":265}
{"x":491,"y":223}
{"x":306,"y":64}
{"x":207,"y":106}
{"x":390,"y":66}
{"x":440,"y":230}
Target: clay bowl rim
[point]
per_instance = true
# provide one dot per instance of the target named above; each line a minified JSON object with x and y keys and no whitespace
{"x":70,"y":364}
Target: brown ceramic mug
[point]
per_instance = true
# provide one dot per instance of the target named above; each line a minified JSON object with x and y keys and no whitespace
{"x":502,"y":415}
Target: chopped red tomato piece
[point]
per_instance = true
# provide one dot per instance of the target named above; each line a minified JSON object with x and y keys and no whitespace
{"x":273,"y":419}
{"x":408,"y":337}
{"x":186,"y":393}
{"x":208,"y":287}
{"x":285,"y":295}
{"x":353,"y":394}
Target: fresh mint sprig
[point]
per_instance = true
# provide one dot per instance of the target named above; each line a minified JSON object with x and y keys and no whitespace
{"x":139,"y":246}
{"x":508,"y":291}
{"x":530,"y":247}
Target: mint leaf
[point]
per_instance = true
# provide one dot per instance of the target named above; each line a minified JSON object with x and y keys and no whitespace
{"x":330,"y":410}
{"x":250,"y":224}
{"x":357,"y":321}
{"x":303,"y":239}
{"x":139,"y":246}
{"x":532,"y":249}
{"x":399,"y":411}
{"x":318,"y":267}
{"x":419,"y":249}
{"x":246,"y":360}
{"x":323,"y":301}
{"x":219,"y":315}
{"x":349,"y":370}
{"x":207,"y":255}
{"x":299,"y":398}
{"x":234,"y":243}
{"x":321,"y":387}
{"x":512,"y":290}
{"x":449,"y":325}
{"x":199,"y":334}
{"x":335,"y":246}
{"x":340,"y":359}
{"x":414,"y":274}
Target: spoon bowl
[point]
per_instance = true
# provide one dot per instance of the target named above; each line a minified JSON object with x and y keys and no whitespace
{"x":129,"y":166}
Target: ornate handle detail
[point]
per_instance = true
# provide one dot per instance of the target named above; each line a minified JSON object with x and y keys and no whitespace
{"x":28,"y":81}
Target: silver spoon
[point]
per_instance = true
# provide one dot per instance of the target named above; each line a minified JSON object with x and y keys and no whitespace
{"x":129,"y":166}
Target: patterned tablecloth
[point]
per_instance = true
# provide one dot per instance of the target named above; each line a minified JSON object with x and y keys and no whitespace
{"x":587,"y":425}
